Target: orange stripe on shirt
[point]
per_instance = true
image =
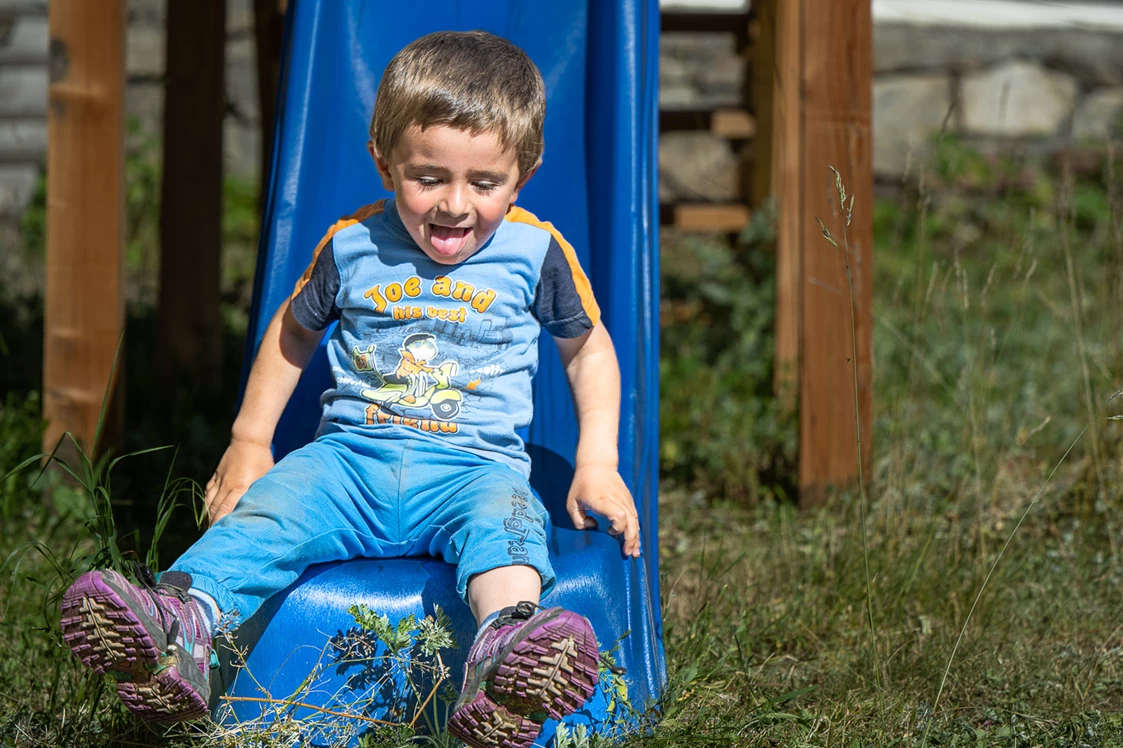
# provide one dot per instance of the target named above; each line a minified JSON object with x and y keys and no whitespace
{"x":580,"y":281}
{"x":358,"y":216}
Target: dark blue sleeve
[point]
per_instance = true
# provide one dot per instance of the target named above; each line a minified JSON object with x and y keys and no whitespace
{"x":313,"y":301}
{"x":558,"y":304}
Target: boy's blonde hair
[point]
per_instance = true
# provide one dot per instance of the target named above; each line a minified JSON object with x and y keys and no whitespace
{"x":467,"y":80}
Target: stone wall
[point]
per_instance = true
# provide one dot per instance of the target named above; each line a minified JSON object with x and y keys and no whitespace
{"x":1033,"y":90}
{"x":1020,"y":90}
{"x":699,"y":71}
{"x":24,"y":40}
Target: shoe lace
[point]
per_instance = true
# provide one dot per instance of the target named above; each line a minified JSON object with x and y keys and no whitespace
{"x":521,"y":612}
{"x":157,"y":591}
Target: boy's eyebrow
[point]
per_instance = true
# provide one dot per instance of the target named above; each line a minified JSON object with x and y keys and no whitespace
{"x":490,"y":176}
{"x":426,"y":167}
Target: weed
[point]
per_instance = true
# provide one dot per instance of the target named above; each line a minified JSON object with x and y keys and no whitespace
{"x":722,"y":431}
{"x":81,"y":534}
{"x":395,"y":670}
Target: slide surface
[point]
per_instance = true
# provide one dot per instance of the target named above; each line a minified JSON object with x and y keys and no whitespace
{"x":597,"y":184}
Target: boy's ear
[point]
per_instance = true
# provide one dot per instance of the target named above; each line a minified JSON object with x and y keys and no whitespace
{"x":382,"y":165}
{"x":523,"y":179}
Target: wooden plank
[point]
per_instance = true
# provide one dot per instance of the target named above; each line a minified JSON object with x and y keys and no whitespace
{"x":762,"y":87}
{"x":837,"y":69}
{"x":269,"y":22}
{"x":706,"y":218}
{"x":189,"y":315}
{"x":731,"y":123}
{"x":776,"y":173}
{"x":84,"y":310}
{"x":735,"y":124}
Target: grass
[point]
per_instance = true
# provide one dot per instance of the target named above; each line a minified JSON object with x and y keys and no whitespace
{"x":997,"y":341}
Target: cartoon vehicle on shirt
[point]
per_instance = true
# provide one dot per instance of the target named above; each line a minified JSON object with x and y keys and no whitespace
{"x":409,"y":384}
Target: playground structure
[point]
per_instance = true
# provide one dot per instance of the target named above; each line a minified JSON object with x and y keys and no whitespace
{"x":597,"y":186}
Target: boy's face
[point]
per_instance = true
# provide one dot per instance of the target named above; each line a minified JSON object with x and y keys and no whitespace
{"x":452,"y":188}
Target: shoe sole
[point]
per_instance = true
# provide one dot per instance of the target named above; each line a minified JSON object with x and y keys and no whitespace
{"x":549,"y":671}
{"x":106,"y":635}
{"x":481,"y":723}
{"x":554,"y":667}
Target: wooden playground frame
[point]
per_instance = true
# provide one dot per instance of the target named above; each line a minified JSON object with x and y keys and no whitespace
{"x":812,"y":72}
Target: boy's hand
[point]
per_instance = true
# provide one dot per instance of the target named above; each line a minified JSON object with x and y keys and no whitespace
{"x":599,"y":488}
{"x":243,"y":463}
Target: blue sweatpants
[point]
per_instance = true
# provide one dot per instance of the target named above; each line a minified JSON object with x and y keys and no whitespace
{"x":349,"y":495}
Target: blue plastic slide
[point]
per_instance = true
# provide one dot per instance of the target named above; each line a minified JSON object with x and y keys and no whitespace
{"x":597,"y":184}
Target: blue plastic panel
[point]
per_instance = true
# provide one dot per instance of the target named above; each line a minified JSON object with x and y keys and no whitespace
{"x":597,"y":184}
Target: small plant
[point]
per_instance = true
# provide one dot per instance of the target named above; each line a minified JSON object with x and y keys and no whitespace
{"x":397,"y":670}
{"x":80,"y":493}
{"x":722,"y":430}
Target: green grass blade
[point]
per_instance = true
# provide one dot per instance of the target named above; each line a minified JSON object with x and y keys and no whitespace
{"x":107,"y":395}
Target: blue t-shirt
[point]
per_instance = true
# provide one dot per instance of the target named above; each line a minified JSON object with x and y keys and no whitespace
{"x":443,"y":352}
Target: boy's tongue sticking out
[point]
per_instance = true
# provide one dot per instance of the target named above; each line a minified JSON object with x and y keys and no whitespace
{"x":448,"y":241}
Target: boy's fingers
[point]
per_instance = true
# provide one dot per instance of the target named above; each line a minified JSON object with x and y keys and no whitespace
{"x":619,"y":523}
{"x":221,"y":507}
{"x":581,"y":520}
{"x":632,"y":536}
{"x":631,"y":533}
{"x":210,"y":497}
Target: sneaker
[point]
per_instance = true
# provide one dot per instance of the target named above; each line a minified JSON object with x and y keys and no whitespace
{"x":153,"y":639}
{"x":523,"y":669}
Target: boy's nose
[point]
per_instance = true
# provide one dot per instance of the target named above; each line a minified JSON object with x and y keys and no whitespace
{"x":455,"y":203}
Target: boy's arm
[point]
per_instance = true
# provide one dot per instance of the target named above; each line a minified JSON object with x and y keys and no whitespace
{"x":285,"y":350}
{"x":594,"y":378}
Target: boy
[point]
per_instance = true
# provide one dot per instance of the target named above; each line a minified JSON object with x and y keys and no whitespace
{"x":440,"y":294}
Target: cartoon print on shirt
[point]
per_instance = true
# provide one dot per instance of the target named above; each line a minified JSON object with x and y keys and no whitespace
{"x":409,"y":384}
{"x":363,"y":360}
{"x":412,"y":370}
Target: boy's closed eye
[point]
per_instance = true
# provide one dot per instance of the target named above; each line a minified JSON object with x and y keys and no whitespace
{"x":481,"y":187}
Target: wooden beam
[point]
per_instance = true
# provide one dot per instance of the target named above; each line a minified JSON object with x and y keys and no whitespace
{"x":812,"y":95}
{"x":84,"y":311}
{"x":836,"y":45}
{"x":711,"y":218}
{"x":731,"y":123}
{"x":776,"y":173}
{"x":269,"y":21}
{"x":735,"y":124}
{"x":189,"y":315}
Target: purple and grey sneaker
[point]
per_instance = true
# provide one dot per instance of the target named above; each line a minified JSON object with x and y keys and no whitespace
{"x":523,"y":669}
{"x":153,"y":639}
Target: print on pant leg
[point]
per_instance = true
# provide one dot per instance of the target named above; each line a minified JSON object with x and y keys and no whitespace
{"x":518,"y":525}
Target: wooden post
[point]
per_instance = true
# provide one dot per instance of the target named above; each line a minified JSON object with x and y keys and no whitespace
{"x":269,"y":21}
{"x":776,"y":173}
{"x":84,"y":310}
{"x":820,"y":117}
{"x":189,"y":316}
